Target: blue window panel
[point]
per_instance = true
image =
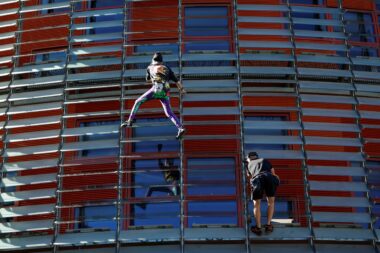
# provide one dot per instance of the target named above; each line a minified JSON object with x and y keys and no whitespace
{"x":213,"y":45}
{"x":60,"y":10}
{"x":307,"y":26}
{"x":360,"y":26}
{"x":376,"y":211}
{"x":96,"y":217}
{"x":213,"y":212}
{"x":211,"y":176}
{"x":105,"y":3}
{"x":217,"y":45}
{"x":100,"y":152}
{"x":51,"y":56}
{"x":105,"y":18}
{"x":366,"y":52}
{"x":206,"y":21}
{"x":356,"y":51}
{"x":157,"y":214}
{"x":147,"y":131}
{"x":271,"y":132}
{"x":172,"y":48}
{"x":102,"y":30}
{"x":147,"y":174}
{"x":306,"y":2}
{"x":41,"y":58}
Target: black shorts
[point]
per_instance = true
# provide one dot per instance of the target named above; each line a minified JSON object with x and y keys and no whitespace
{"x":264,"y":184}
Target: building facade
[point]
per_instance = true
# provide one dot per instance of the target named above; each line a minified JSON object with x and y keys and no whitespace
{"x":298,"y":81}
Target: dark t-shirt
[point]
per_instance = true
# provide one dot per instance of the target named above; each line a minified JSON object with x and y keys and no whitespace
{"x":160,"y":73}
{"x":258,"y":166}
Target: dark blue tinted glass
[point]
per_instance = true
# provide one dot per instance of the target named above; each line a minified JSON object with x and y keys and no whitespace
{"x":211,"y":176}
{"x":305,"y":2}
{"x":271,"y":132}
{"x":105,"y":3}
{"x":96,"y":217}
{"x":212,"y":212}
{"x":147,"y":131}
{"x":359,"y":26}
{"x":208,"y":45}
{"x":100,"y":152}
{"x":206,"y":21}
{"x":59,"y":10}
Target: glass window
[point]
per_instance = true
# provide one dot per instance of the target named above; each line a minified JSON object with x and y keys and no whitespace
{"x":374,"y":183}
{"x":103,"y":3}
{"x":170,"y":48}
{"x":306,"y":2}
{"x":153,"y":181}
{"x":271,"y":132}
{"x":215,"y":45}
{"x":102,"y":30}
{"x":305,"y":15}
{"x":210,"y":178}
{"x":206,"y":21}
{"x":100,"y":152}
{"x":212,"y":212}
{"x":158,"y":191}
{"x":357,"y":51}
{"x":198,"y":47}
{"x":363,"y":51}
{"x":360,"y":26}
{"x":147,"y":131}
{"x":59,"y":10}
{"x":50,"y":57}
{"x":96,"y":217}
{"x":207,"y":30}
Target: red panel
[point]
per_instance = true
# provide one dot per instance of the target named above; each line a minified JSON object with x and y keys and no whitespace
{"x":353,"y":4}
{"x":88,"y":195}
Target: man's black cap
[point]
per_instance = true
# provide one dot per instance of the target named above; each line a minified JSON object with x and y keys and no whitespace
{"x":157,"y":57}
{"x":252,"y":155}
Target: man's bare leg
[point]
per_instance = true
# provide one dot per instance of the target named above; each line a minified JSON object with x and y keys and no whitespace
{"x":257,"y":211}
{"x":270,"y":209}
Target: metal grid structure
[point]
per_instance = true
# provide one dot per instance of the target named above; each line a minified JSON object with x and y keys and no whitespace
{"x":303,"y":98}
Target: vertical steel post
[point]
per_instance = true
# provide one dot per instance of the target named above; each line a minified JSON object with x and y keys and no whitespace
{"x":121,"y":133}
{"x":241,"y":115}
{"x":58,"y":193}
{"x":300,"y":121}
{"x":182,"y":212}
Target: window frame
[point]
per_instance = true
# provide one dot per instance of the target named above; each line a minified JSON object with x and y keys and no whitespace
{"x":239,"y":190}
{"x":228,"y":38}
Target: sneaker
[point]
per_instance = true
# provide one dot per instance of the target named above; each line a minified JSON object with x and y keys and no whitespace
{"x":180,"y":133}
{"x":256,"y":230}
{"x":269,"y":228}
{"x":127,"y":123}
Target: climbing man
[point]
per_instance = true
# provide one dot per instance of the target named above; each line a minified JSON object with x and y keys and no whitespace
{"x":263,"y":179}
{"x":160,"y":75}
